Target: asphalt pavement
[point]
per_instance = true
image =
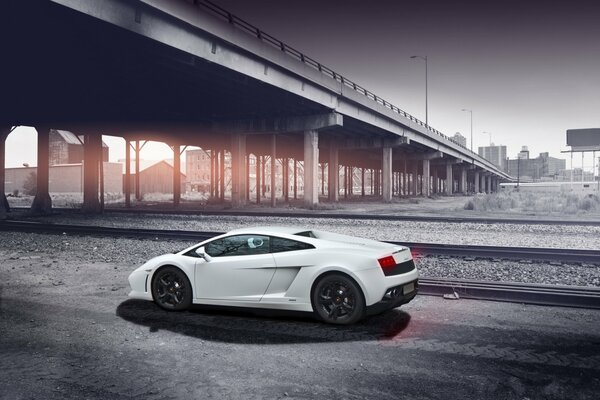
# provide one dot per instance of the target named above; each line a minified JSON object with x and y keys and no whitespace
{"x":68,"y":331}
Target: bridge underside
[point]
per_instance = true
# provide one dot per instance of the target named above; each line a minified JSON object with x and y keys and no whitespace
{"x":66,"y":70}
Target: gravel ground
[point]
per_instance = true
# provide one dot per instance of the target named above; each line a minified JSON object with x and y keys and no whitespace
{"x":133,"y":252}
{"x":555,"y":236}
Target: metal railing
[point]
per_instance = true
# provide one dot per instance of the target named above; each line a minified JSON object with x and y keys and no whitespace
{"x":266,"y":38}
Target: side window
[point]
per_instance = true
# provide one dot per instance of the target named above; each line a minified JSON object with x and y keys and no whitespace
{"x":279,"y":245}
{"x":240,"y":245}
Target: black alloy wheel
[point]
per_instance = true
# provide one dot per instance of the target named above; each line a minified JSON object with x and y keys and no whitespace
{"x":171,"y":289}
{"x":337,"y":299}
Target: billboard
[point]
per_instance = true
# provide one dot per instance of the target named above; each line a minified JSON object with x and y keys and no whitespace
{"x":584,"y":139}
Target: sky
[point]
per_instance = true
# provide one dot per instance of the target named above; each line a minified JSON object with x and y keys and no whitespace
{"x":528,"y":70}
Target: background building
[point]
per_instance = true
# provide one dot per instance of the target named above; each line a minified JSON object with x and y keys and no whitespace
{"x":66,"y":178}
{"x":155,"y":177}
{"x":197,"y":169}
{"x":67,"y":148}
{"x":494,"y":154}
{"x":541,"y":168}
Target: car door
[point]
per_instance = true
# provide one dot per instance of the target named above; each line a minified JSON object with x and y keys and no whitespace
{"x":239,"y":268}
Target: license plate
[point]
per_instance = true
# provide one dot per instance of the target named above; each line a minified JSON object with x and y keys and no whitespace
{"x":406,"y":289}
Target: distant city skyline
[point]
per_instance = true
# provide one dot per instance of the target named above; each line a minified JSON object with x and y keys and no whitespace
{"x":528,"y":70}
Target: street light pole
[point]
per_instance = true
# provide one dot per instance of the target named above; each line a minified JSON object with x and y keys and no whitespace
{"x":470,"y":111}
{"x":424,"y":58}
{"x":489,"y":133}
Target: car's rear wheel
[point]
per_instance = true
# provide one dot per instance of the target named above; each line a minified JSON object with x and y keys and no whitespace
{"x":337,"y":299}
{"x":171,"y":289}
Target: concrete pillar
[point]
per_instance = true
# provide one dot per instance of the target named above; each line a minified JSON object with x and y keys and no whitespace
{"x":426,"y":179}
{"x":4,"y":208}
{"x":286,"y":179}
{"x":258,"y":168}
{"x":449,"y":179}
{"x":488,"y":184}
{"x":42,"y":202}
{"x":127,"y":186}
{"x":387,"y":174}
{"x":311,"y":158}
{"x":295,"y":179}
{"x":333,"y":177}
{"x":176,"y":175}
{"x":274,"y":170}
{"x":92,"y":152}
{"x":463,"y":180}
{"x":415,"y":179}
{"x":138,"y":193}
{"x":476,"y":182}
{"x":435,"y":179}
{"x":222,"y":173}
{"x":362,"y":182}
{"x":238,"y":170}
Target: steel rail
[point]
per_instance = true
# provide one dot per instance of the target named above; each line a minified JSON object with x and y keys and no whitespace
{"x":550,"y":295}
{"x":538,"y":254}
{"x":330,"y":215}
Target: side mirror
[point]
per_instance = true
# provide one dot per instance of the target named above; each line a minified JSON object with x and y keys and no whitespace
{"x":200,"y":252}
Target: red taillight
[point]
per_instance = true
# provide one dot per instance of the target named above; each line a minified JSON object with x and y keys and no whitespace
{"x":387,"y":262}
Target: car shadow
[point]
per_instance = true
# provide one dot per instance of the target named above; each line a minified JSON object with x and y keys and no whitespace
{"x":259,"y":327}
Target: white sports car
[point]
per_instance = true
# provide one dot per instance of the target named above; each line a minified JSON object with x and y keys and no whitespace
{"x":338,"y":277}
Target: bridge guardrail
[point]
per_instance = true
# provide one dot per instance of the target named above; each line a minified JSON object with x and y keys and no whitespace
{"x":265,"y":37}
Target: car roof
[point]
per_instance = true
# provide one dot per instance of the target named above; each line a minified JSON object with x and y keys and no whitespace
{"x":267,"y":230}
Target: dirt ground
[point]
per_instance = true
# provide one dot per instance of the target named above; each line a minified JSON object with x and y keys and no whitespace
{"x":68,"y":331}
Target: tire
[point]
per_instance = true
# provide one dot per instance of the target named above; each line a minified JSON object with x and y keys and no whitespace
{"x":337,"y":299}
{"x":171,"y":289}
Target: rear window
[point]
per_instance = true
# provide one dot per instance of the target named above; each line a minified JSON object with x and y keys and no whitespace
{"x":279,"y":245}
{"x":309,"y":234}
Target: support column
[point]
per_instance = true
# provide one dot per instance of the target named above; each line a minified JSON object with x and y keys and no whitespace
{"x":436,"y":182}
{"x":286,"y":179}
{"x":449,"y":179}
{"x":295,"y":179}
{"x":273,"y":170}
{"x":222,"y":173}
{"x":426,"y":179}
{"x":488,"y":184}
{"x":387,"y":174}
{"x":92,"y":151}
{"x":476,"y":182}
{"x":176,"y":175}
{"x":311,"y":158}
{"x":333,"y":179}
{"x":362,"y":182}
{"x":415,"y":179}
{"x":482,"y":183}
{"x":127,"y":185}
{"x":238,"y":170}
{"x":138,"y":194}
{"x":258,"y":168}
{"x":463,"y":180}
{"x":4,"y":208}
{"x":42,"y":202}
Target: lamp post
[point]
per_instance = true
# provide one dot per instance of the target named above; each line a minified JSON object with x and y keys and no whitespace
{"x":424,"y":58}
{"x":489,"y":133}
{"x":471,"y":112}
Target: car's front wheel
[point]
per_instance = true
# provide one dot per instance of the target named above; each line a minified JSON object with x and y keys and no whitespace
{"x":171,"y":289}
{"x":337,"y":299}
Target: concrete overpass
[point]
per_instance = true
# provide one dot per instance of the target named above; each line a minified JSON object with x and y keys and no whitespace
{"x":190,"y":73}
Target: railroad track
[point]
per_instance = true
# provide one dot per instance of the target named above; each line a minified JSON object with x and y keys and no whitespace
{"x":335,"y":215}
{"x":419,"y":249}
{"x":573,"y":296}
{"x":549,"y":295}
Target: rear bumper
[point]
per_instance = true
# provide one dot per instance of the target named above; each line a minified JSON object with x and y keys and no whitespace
{"x":393,"y":298}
